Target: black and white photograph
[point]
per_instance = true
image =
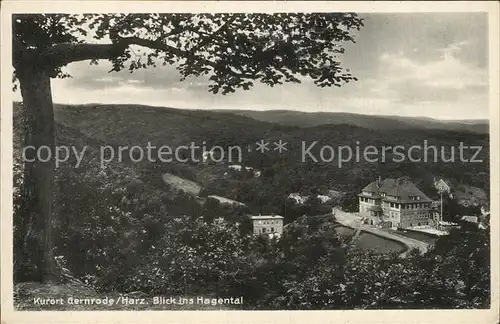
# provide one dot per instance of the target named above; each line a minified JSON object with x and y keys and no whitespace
{"x":218,"y":157}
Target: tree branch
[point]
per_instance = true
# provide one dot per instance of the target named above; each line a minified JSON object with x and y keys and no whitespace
{"x":173,"y":50}
{"x":64,"y":53}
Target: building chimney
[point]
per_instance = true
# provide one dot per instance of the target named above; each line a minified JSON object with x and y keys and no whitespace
{"x":379,"y":181}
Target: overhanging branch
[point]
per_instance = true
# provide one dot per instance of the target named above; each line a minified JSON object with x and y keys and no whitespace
{"x":62,"y":54}
{"x":159,"y":45}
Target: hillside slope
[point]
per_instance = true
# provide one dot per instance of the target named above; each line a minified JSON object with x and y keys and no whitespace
{"x":305,"y":119}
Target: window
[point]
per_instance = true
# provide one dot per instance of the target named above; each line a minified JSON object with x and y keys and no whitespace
{"x":264,"y":230}
{"x":272,"y":229}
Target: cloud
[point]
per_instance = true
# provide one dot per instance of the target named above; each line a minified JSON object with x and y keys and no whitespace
{"x":445,"y":79}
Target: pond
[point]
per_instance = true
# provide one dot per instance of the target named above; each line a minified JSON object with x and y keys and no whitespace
{"x":368,"y":241}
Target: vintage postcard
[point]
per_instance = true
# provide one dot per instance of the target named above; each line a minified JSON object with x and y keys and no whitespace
{"x":249,"y":162}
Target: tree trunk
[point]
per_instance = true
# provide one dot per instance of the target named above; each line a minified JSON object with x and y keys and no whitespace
{"x":37,"y":192}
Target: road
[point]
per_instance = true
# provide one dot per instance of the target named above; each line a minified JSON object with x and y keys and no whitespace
{"x":355,"y":221}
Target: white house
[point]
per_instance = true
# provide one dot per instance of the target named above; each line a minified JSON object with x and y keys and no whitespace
{"x":267,"y":225}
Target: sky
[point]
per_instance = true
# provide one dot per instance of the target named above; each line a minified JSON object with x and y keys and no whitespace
{"x":408,"y":64}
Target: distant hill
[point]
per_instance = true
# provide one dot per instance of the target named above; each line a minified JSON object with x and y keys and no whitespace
{"x":305,"y":119}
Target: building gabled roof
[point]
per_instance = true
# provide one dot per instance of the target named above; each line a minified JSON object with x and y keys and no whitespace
{"x":402,"y":188}
{"x":380,"y":186}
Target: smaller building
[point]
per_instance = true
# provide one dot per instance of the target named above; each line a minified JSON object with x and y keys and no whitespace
{"x":485,"y":209}
{"x":298,"y":198}
{"x":443,"y":187}
{"x":271,"y":225}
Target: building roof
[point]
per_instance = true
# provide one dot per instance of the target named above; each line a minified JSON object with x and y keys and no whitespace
{"x":402,"y":188}
{"x":267,"y":217}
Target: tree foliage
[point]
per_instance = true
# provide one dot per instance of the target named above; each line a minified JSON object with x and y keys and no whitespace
{"x":234,"y":50}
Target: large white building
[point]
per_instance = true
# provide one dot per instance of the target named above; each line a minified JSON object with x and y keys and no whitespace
{"x":395,"y":202}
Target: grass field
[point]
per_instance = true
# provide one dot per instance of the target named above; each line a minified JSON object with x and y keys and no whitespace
{"x":182,"y":184}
